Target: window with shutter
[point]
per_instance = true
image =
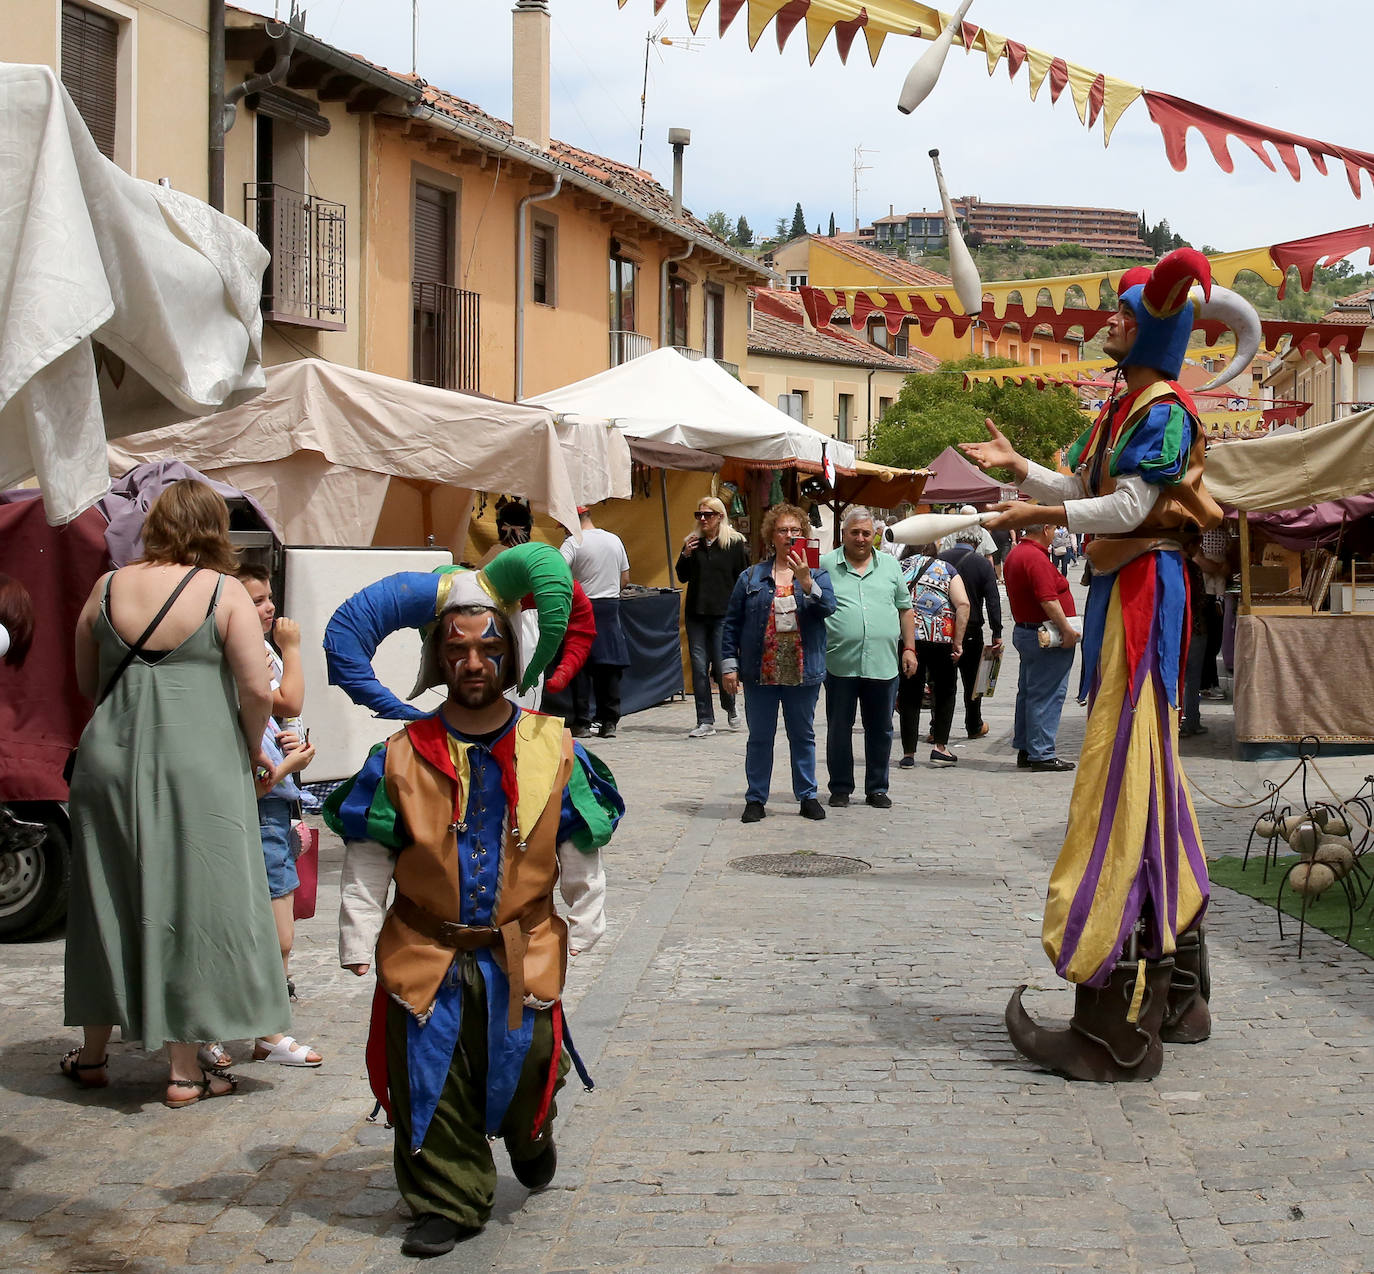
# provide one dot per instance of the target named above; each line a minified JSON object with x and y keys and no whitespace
{"x":90,"y":62}
{"x":543,"y":263}
{"x":433,"y":235}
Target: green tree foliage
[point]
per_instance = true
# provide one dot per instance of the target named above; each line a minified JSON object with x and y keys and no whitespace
{"x":744,"y":236}
{"x":780,"y":229}
{"x":798,"y":224}
{"x":935,"y":411}
{"x":719,"y":225}
{"x":832,"y":225}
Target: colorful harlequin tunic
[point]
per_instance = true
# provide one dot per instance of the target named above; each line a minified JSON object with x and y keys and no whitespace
{"x":1132,"y":849}
{"x":475,"y":835}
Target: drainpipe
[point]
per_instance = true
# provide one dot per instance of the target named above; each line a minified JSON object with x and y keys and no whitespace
{"x":869,"y":435}
{"x":663,"y":293}
{"x":215,"y":157}
{"x":287,"y":35}
{"x":520,"y":281}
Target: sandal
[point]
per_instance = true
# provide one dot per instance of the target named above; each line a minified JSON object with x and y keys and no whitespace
{"x":285,"y":1052}
{"x":202,"y":1087}
{"x":213,"y":1057}
{"x":72,"y":1068}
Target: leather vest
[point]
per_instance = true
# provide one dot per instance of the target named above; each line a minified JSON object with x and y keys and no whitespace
{"x":422,"y":785}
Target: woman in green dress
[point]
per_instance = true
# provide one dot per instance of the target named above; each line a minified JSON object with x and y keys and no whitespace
{"x":170,"y":934}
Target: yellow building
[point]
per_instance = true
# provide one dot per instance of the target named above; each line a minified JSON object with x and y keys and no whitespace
{"x":828,"y":379}
{"x":822,"y":262}
{"x":1335,"y":386}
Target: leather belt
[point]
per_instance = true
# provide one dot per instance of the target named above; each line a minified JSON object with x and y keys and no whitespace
{"x":512,"y":937}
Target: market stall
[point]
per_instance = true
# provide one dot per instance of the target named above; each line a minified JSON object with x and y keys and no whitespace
{"x":1294,"y":657}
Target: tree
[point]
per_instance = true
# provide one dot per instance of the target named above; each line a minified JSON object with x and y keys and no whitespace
{"x":832,"y":225}
{"x":935,"y":411}
{"x":719,"y":225}
{"x":798,"y":224}
{"x":744,"y":237}
{"x":780,"y":230}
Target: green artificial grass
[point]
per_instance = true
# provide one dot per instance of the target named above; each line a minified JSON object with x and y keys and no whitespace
{"x":1329,"y":912}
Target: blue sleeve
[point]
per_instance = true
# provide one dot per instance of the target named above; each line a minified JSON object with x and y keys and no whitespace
{"x":361,"y":809}
{"x":825,"y":603}
{"x":734,"y":617}
{"x":1158,"y":446}
{"x":592,"y":804}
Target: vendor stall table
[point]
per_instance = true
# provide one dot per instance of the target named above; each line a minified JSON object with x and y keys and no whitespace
{"x":1299,"y":675}
{"x":651,"y":621}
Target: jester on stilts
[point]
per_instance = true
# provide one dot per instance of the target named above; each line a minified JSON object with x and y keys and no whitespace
{"x":1123,"y":915}
{"x":475,"y":812}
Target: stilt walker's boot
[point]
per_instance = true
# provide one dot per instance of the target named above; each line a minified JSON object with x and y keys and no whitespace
{"x":1187,"y":1019}
{"x":1114,"y":1033}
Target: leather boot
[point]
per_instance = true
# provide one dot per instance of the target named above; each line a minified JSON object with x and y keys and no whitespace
{"x":1187,"y":1018}
{"x":1101,"y":1044}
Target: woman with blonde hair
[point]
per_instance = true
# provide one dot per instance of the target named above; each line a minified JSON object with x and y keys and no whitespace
{"x":774,"y":642}
{"x":713,"y":557}
{"x":170,"y":934}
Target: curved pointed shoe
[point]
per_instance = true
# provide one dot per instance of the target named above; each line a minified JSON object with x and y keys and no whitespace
{"x":1101,"y":1043}
{"x":1187,"y":1017}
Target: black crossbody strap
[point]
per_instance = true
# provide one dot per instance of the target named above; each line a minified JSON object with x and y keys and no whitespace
{"x":137,"y":647}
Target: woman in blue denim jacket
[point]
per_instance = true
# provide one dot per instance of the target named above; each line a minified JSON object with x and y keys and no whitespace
{"x":774,"y":642}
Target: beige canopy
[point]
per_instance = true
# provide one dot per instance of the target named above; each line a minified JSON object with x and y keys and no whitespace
{"x":324,"y":448}
{"x":1296,"y":469}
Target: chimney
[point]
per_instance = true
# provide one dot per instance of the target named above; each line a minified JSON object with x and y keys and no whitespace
{"x":530,"y":72}
{"x":678,"y":139}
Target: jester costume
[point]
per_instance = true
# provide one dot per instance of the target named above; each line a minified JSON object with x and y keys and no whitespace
{"x":468,"y":1040}
{"x":1128,"y":893}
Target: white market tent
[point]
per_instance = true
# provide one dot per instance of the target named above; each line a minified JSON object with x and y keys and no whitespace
{"x":322,"y":445}
{"x":664,"y":396}
{"x":118,"y":298}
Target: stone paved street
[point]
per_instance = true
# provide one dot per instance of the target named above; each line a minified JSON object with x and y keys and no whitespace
{"x":792,"y":1074}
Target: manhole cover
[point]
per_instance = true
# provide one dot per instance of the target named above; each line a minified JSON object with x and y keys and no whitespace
{"x":799,"y":864}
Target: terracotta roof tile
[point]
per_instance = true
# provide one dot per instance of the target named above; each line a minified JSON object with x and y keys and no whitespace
{"x":778,"y":328}
{"x":894,"y":269}
{"x":1352,"y":309}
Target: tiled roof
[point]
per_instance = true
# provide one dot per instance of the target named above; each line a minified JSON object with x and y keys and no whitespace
{"x":1352,"y":309}
{"x":894,"y":269}
{"x":778,"y":328}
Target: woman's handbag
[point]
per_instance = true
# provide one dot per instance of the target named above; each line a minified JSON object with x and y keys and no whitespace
{"x":305,"y":842}
{"x":134,"y":651}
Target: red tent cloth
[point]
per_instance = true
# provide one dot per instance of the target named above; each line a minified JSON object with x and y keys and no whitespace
{"x":955,"y":481}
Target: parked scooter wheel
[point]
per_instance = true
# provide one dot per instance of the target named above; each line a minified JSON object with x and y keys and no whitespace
{"x":34,"y":880}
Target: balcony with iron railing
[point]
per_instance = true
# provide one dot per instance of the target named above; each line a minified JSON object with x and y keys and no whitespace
{"x":694,"y":354}
{"x":446,"y":337}
{"x":305,"y":283}
{"x":628,"y":345}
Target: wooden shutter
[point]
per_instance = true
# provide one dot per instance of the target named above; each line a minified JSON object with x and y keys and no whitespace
{"x":90,"y":60}
{"x":539,"y":262}
{"x":433,"y":230}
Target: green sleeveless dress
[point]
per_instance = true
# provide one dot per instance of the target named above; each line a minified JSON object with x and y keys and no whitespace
{"x":170,"y":933}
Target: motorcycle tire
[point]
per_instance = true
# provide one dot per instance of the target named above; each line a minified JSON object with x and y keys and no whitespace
{"x":34,"y":884}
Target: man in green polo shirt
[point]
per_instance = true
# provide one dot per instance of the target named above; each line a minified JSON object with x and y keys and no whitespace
{"x":872,"y":624}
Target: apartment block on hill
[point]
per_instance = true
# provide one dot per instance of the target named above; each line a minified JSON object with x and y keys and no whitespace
{"x":1109,"y":231}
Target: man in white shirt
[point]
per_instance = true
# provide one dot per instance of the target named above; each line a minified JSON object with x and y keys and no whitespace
{"x":600,"y":564}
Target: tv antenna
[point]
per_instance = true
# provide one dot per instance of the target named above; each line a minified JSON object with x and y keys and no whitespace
{"x":689,"y":43}
{"x":859,"y":167}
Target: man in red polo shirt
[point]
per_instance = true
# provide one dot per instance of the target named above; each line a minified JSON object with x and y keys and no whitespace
{"x":1037,"y":592}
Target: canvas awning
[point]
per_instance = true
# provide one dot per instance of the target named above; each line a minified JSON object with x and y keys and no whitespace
{"x":881,"y":486}
{"x":954,"y":480}
{"x":663,"y":396}
{"x":1292,"y":470}
{"x":321,"y":445}
{"x":120,"y":298}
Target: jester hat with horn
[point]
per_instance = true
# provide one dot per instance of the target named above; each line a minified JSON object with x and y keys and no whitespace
{"x":526,"y":574}
{"x":1165,"y":304}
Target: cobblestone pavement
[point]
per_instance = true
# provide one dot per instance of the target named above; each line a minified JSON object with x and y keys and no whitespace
{"x":794,"y":1074}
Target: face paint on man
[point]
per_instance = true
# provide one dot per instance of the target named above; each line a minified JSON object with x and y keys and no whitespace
{"x":474,"y":654}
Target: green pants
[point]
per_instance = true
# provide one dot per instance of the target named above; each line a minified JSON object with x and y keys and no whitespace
{"x":453,"y":1174}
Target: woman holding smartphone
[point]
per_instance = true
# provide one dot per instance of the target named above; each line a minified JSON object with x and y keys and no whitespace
{"x":774,"y":642}
{"x":713,"y":557}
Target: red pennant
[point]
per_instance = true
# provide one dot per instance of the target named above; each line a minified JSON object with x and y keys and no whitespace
{"x":846,"y":31}
{"x":788,"y":16}
{"x":1016,"y":54}
{"x":728,"y":10}
{"x":1059,"y":77}
{"x":1096,"y":96}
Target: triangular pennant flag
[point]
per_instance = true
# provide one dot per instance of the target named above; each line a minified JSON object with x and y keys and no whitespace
{"x":994,"y":44}
{"x":1039,"y":68}
{"x":1095,"y":93}
{"x":874,"y":36}
{"x":1059,"y":76}
{"x":818,"y":28}
{"x":1117,"y":95}
{"x":728,"y":10}
{"x":788,"y":16}
{"x":968,"y":33}
{"x":1080,"y":85}
{"x":695,"y":8}
{"x":1016,"y":54}
{"x":846,"y":31}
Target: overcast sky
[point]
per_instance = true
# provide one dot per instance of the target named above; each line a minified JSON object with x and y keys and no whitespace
{"x":769,"y":130}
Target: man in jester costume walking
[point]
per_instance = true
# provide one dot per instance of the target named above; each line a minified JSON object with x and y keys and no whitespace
{"x":474,"y":813}
{"x":1123,"y":915}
